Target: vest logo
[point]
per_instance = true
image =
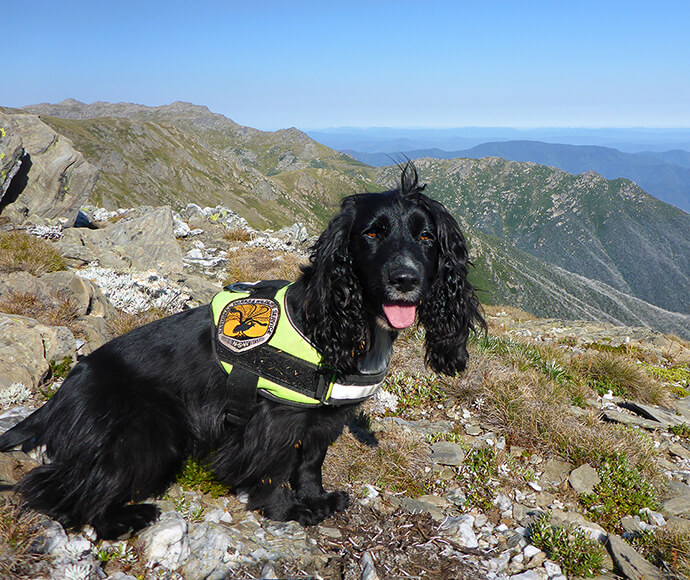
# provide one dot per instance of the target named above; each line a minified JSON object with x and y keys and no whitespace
{"x":247,"y":323}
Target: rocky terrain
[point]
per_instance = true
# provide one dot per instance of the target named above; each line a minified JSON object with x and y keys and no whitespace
{"x":563,"y":450}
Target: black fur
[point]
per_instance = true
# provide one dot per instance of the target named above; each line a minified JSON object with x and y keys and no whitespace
{"x":129,"y":415}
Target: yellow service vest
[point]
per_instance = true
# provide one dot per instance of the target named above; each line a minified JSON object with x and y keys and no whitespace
{"x":263,"y":351}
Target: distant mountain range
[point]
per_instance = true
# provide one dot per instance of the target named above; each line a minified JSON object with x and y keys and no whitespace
{"x":554,"y":243}
{"x":665,"y":175}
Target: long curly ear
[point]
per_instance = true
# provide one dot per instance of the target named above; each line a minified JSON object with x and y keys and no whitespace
{"x":451,"y":308}
{"x":334,"y":318}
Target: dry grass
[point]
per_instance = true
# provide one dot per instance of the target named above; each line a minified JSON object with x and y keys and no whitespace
{"x":527,"y":393}
{"x":57,"y":309}
{"x":237,"y":235}
{"x":249,"y":264}
{"x":18,"y":531}
{"x":672,"y":546}
{"x":20,"y":252}
{"x":396,"y":462}
{"x":605,"y":371}
{"x":123,"y":322}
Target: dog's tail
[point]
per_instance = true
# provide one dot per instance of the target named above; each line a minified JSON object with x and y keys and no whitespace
{"x":25,"y":433}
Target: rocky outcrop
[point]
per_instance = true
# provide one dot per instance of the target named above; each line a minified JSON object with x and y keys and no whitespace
{"x":26,"y":349}
{"x":11,"y":153}
{"x":144,"y":241}
{"x":46,"y":179}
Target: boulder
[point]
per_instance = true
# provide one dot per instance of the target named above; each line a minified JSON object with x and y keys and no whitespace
{"x":27,"y":347}
{"x":53,"y":180}
{"x":145,"y":242}
{"x":11,"y":154}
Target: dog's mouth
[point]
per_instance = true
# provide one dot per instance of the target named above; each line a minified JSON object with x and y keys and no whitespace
{"x":400,"y":315}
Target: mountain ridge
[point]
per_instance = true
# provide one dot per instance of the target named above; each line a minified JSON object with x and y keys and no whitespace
{"x":665,"y":175}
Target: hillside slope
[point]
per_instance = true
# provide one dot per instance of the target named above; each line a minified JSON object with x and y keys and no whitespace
{"x":183,"y":153}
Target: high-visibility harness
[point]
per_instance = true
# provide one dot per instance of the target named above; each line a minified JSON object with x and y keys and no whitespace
{"x":263,"y":352}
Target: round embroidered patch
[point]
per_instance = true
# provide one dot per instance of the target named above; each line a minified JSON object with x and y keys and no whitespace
{"x":247,"y":323}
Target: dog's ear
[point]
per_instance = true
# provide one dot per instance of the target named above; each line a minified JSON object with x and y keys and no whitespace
{"x":334,"y":318}
{"x":451,"y":309}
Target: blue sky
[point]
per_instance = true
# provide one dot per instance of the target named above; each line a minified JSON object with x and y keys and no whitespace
{"x":603,"y":63}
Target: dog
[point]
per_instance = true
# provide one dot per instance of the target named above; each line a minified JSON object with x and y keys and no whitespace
{"x":129,"y":415}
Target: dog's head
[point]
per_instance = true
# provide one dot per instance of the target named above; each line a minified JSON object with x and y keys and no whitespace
{"x":389,"y":259}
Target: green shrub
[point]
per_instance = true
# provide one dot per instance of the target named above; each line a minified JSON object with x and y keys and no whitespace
{"x":571,"y":549}
{"x":622,"y":491}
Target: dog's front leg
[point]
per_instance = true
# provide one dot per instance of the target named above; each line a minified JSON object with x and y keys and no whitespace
{"x":306,"y":479}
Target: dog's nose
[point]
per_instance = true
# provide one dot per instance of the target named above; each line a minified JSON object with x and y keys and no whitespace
{"x":404,"y":279}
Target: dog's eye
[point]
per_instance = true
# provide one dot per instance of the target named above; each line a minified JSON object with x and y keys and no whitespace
{"x":426,"y":236}
{"x":370,"y":234}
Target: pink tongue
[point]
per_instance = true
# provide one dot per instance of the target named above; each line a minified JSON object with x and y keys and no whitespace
{"x":400,"y":316}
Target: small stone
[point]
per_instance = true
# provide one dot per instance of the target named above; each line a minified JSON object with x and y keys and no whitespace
{"x":556,"y":471}
{"x":530,"y":551}
{"x":447,"y":453}
{"x":368,"y":568}
{"x":584,"y":479}
{"x":536,"y":574}
{"x":473,"y":430}
{"x":655,"y":518}
{"x":552,"y":569}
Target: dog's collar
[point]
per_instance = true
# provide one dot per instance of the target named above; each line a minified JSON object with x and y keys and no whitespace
{"x":263,"y":351}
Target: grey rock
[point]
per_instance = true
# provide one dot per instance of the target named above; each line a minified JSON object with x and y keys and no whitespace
{"x":678,"y":450}
{"x":631,"y":564}
{"x":142,"y":243}
{"x":460,"y":528}
{"x":683,"y":407}
{"x":11,"y":153}
{"x":631,"y":420}
{"x":584,"y":479}
{"x":536,"y":574}
{"x":447,"y":453}
{"x":88,"y":297}
{"x":58,"y":178}
{"x":166,"y":542}
{"x":664,"y":418}
{"x":27,"y":347}
{"x":677,"y":506}
{"x":431,"y":504}
{"x":368,"y":567}
{"x":594,"y":531}
{"x":654,"y":518}
{"x":555,"y":471}
{"x":473,"y":430}
{"x":421,"y":427}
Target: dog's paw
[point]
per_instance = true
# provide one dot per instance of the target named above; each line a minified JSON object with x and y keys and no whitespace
{"x":338,"y":500}
{"x":125,"y":521}
{"x":305,"y":515}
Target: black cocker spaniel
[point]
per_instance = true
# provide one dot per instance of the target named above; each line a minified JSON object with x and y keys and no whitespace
{"x":131,"y":413}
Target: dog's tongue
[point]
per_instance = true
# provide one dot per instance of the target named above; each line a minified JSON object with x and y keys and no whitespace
{"x":399,"y":315}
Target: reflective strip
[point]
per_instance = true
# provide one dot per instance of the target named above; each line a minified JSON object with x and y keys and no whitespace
{"x":351,"y":392}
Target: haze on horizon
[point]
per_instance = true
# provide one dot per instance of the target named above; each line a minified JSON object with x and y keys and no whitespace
{"x":271,"y":65}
